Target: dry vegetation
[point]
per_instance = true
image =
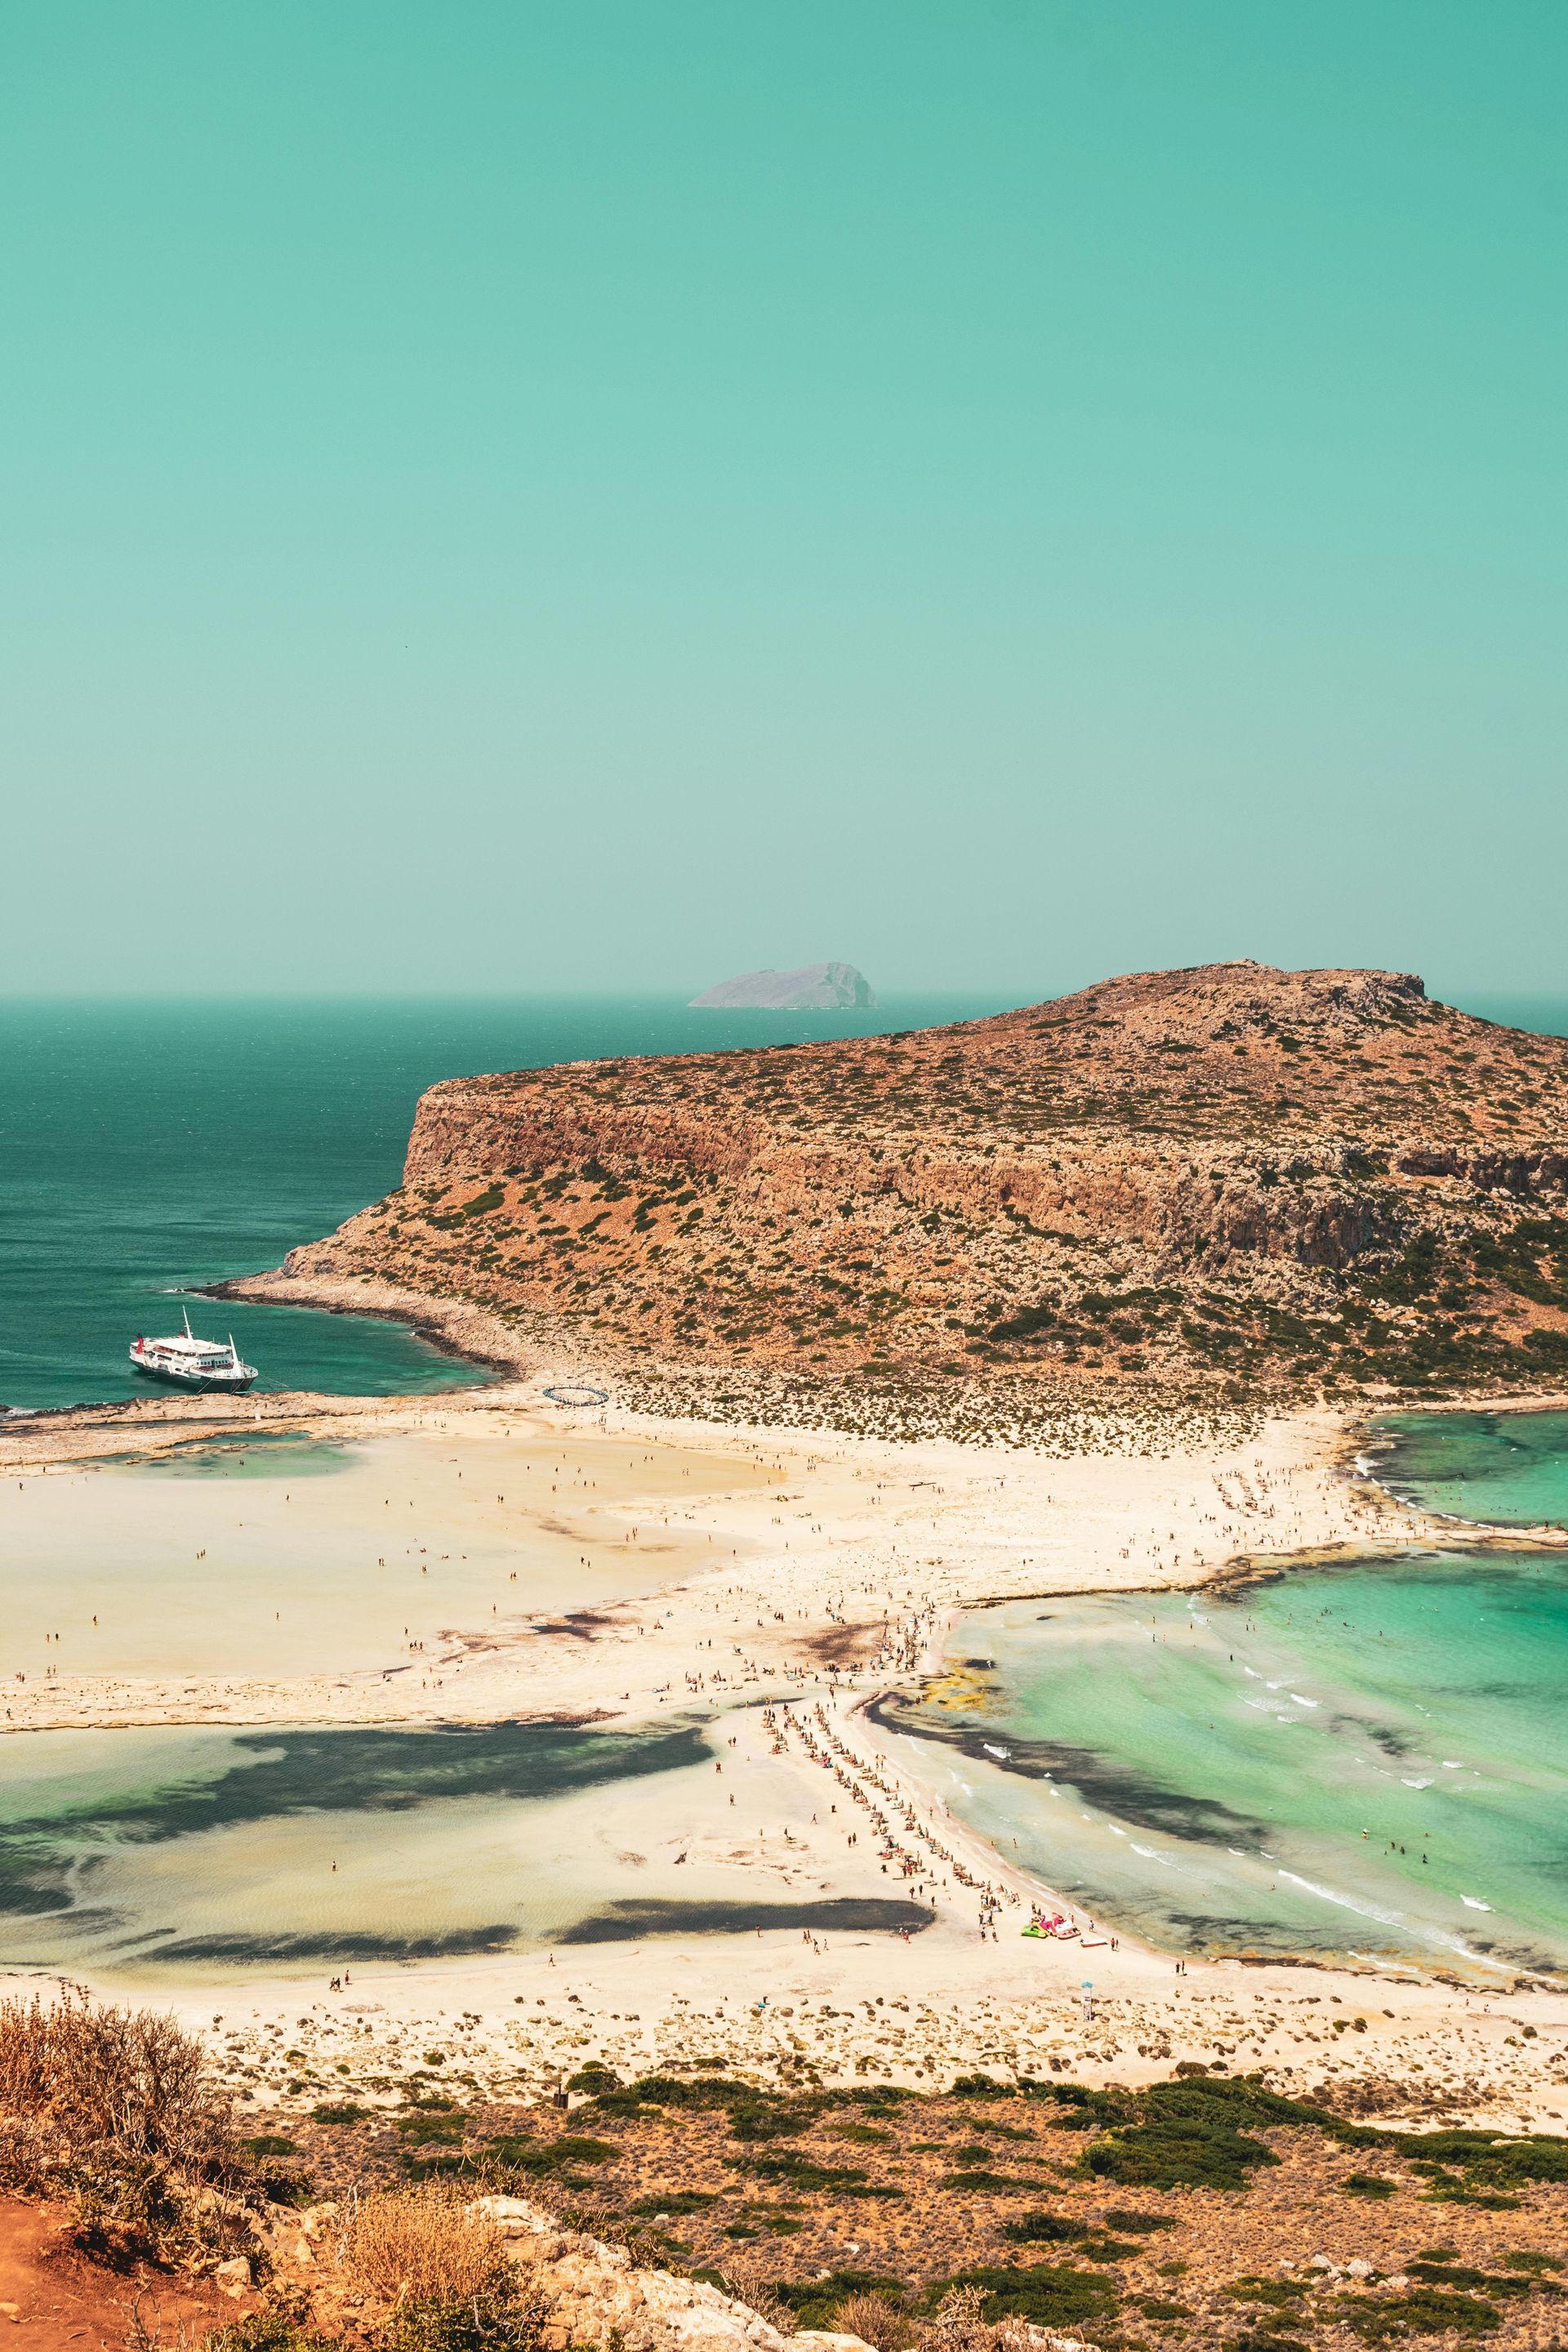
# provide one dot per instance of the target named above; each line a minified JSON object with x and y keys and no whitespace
{"x":1192,"y":1185}
{"x":957,"y":2221}
{"x":1204,"y":2209}
{"x":421,"y":2244}
{"x":117,"y":2111}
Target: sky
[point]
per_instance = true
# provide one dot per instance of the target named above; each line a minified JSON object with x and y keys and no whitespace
{"x":517,"y":496}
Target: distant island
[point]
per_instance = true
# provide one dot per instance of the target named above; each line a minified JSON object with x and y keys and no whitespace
{"x":813,"y":988}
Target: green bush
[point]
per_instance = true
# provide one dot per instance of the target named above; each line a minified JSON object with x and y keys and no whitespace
{"x":425,"y":2130}
{"x":593,"y":2078}
{"x":791,"y":2170}
{"x":1048,"y":2294}
{"x":279,"y":2327}
{"x":813,"y":2302}
{"x":510,"y":2156}
{"x":1424,"y":2311}
{"x":1171,"y":2152}
{"x":507,"y":2320}
{"x":1044,"y":2230}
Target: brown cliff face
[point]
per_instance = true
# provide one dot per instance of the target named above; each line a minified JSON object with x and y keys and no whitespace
{"x":1206,"y":1174}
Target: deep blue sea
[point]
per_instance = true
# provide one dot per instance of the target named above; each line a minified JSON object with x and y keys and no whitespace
{"x":150,"y":1145}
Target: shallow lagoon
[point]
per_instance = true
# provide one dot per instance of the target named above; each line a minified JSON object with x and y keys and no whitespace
{"x":141,"y":1854}
{"x":153,"y":1858}
{"x":1369,"y":1762}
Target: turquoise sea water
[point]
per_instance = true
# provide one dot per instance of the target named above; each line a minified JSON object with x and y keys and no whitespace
{"x":146,"y":1146}
{"x":1370,"y":1760}
{"x":1507,"y":1469}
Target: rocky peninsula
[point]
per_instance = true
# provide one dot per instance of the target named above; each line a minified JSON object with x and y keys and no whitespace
{"x":1193,"y":1187}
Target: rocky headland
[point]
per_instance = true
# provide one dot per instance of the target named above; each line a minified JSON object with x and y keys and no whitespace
{"x":1206,"y":1184}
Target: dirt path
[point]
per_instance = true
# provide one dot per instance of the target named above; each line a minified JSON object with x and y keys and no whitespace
{"x":54,"y":2299}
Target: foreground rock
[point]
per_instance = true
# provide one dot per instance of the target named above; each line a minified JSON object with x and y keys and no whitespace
{"x":598,"y":2294}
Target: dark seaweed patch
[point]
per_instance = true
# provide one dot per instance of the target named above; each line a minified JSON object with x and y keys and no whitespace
{"x":624,"y":1922}
{"x":457,"y":1944}
{"x":1127,"y":1796}
{"x":368,"y":1770}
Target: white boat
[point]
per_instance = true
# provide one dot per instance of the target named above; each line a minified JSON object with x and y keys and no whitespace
{"x":190,"y":1362}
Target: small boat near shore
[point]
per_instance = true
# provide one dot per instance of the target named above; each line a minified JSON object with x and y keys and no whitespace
{"x":191,"y":1363}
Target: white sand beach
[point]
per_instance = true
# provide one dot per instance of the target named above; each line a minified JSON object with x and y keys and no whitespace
{"x":669,"y":1571}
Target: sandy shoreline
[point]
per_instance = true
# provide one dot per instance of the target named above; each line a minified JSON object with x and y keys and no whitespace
{"x":805,"y":1571}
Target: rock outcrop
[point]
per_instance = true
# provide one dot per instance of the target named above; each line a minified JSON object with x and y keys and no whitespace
{"x":591,"y":2292}
{"x":1218,"y":1176}
{"x":813,"y":988}
{"x":598,"y":2294}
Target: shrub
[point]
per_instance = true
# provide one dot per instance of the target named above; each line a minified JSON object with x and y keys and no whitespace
{"x":1425,"y":2311}
{"x":543,"y":2159}
{"x":1170,"y":2152}
{"x":507,"y":2318}
{"x":279,"y":2327}
{"x":116,"y":2109}
{"x":1189,"y":2133}
{"x":420,"y":2245}
{"x":812,"y":2303}
{"x":1049,"y":2294}
{"x":1045,"y":2229}
{"x":595,"y":2078}
{"x":878,"y":2320}
{"x":82,"y":2084}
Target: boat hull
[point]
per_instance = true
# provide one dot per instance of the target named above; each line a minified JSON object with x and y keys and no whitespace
{"x":174,"y":1378}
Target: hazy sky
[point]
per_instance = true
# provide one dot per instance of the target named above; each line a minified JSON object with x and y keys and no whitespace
{"x":566,"y":491}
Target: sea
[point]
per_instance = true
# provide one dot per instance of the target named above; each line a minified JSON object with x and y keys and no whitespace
{"x":149,"y":1147}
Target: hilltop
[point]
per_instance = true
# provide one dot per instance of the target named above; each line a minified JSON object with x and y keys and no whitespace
{"x":1221,"y":1180}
